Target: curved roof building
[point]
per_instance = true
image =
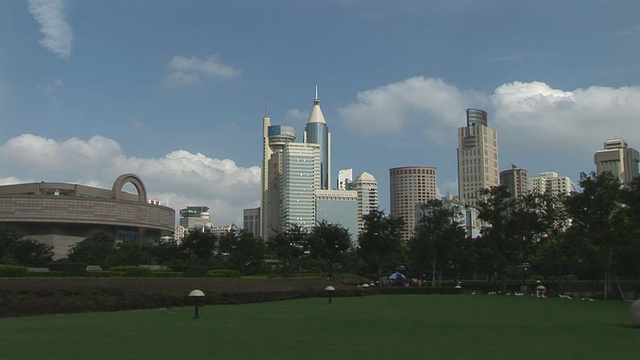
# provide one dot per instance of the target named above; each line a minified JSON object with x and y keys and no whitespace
{"x":62,"y":214}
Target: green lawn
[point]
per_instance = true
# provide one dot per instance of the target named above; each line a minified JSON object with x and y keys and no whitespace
{"x":372,"y":327}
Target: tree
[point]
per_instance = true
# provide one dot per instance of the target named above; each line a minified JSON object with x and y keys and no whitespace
{"x":199,"y":246}
{"x":288,"y":247}
{"x":128,"y":254}
{"x":553,"y":250}
{"x":8,"y":238}
{"x":504,"y":246}
{"x":597,"y":215}
{"x":245,"y":250}
{"x":380,"y":239}
{"x":93,"y":250}
{"x":435,"y":237}
{"x":328,"y":242}
{"x":629,"y":265}
{"x":32,"y":252}
{"x":164,"y":252}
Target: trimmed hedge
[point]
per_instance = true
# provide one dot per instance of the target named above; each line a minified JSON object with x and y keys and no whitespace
{"x":32,"y":296}
{"x":224,"y":273}
{"x":69,"y":269}
{"x":13,"y":271}
{"x":45,"y":274}
{"x":190,"y":271}
{"x":132,"y":271}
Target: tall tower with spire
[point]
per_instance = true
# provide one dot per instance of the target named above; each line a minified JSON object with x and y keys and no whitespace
{"x":317,"y":132}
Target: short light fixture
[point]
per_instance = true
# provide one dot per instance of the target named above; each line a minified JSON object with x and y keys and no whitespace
{"x":329,"y":290}
{"x":198,"y":299}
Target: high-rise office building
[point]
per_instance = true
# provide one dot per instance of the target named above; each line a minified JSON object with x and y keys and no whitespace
{"x":345,"y":178}
{"x":477,"y":157}
{"x":515,"y":180}
{"x":339,"y":207}
{"x":411,"y":187}
{"x":274,"y":138}
{"x":195,"y":217}
{"x":550,"y":182}
{"x":299,"y":181}
{"x":317,"y":132}
{"x":366,"y":187}
{"x":251,"y":220}
{"x":617,"y":158}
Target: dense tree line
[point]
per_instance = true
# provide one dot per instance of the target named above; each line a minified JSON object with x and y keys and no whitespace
{"x":26,"y":252}
{"x":591,"y":234}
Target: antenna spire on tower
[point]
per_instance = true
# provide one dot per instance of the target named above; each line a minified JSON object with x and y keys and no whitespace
{"x":316,"y":100}
{"x":266,"y":108}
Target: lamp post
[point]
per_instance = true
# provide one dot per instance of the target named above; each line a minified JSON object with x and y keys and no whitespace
{"x":329,"y":290}
{"x":198,"y":299}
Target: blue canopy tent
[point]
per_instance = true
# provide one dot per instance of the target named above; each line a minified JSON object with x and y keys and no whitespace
{"x":397,"y":278}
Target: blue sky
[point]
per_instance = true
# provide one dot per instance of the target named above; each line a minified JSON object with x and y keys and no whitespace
{"x":175,"y":91}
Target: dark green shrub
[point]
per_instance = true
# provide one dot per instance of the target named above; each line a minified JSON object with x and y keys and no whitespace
{"x":190,"y":271}
{"x":69,"y":269}
{"x":105,"y":273}
{"x":166,"y":274}
{"x":572,"y":277}
{"x":132,"y":271}
{"x":45,"y":274}
{"x":12,"y":271}
{"x":224,"y":273}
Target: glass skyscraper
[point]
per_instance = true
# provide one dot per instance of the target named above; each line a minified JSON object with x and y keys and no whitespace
{"x":299,"y":181}
{"x":317,"y":132}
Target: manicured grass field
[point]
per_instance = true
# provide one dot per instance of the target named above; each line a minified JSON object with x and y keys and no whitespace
{"x":370,"y":327}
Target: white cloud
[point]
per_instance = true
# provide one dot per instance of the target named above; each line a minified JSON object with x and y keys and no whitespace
{"x":187,"y":70}
{"x":428,"y":101}
{"x":631,"y":32}
{"x":51,"y":90}
{"x":178,"y":179}
{"x":297,"y":114}
{"x":532,"y":116}
{"x":53,"y":87}
{"x":535,"y":113}
{"x":51,"y":15}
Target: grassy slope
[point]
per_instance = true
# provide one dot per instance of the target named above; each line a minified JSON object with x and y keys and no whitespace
{"x":372,"y":327}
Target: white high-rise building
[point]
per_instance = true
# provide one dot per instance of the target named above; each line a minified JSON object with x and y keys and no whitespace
{"x":550,"y":182}
{"x":299,"y":181}
{"x":477,"y":157}
{"x":345,"y":178}
{"x":411,"y":187}
{"x":367,"y":188}
{"x":617,"y":158}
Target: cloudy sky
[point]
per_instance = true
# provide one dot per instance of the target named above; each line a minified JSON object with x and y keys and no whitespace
{"x":175,"y":91}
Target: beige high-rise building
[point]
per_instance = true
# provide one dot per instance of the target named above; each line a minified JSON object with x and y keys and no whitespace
{"x":515,"y":181}
{"x":274,"y":140}
{"x":550,"y":182}
{"x":411,"y":187}
{"x":617,"y":158}
{"x":477,"y":157}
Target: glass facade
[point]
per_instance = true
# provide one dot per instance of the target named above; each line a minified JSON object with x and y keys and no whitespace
{"x":299,"y":181}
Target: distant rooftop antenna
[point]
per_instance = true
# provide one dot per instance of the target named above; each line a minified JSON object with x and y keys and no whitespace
{"x":316,"y":101}
{"x":266,"y":108}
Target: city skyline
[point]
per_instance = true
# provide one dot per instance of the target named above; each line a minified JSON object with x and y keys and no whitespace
{"x":176,"y":92}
